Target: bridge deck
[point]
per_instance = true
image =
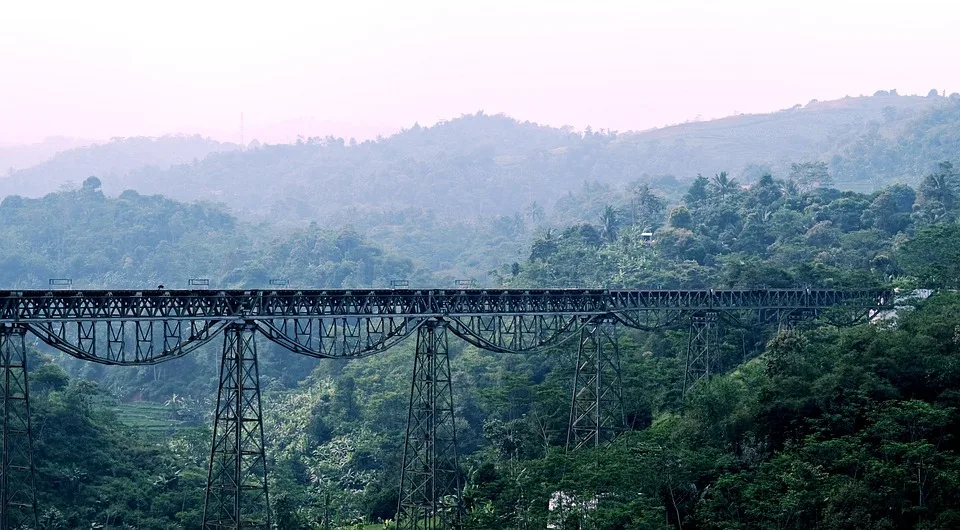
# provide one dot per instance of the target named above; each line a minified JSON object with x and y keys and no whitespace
{"x":68,"y":305}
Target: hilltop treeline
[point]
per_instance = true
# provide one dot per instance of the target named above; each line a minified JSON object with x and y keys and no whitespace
{"x":485,"y":165}
{"x":108,"y":160}
{"x":787,"y":232}
{"x":140,"y":241}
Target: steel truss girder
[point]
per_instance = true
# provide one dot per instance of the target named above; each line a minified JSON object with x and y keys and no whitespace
{"x":146,"y":327}
{"x":726,"y":299}
{"x":596,"y":411}
{"x":236,"y":494}
{"x":430,"y":494}
{"x":18,"y":492}
{"x":40,"y":306}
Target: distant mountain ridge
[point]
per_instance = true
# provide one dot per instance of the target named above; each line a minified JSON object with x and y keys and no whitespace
{"x":107,"y":160}
{"x":14,"y":157}
{"x":494,"y":165}
{"x":481,"y":165}
{"x":821,"y":130}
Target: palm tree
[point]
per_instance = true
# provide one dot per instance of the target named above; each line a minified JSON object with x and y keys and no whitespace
{"x":535,"y":212}
{"x":609,"y":220}
{"x":545,"y":234}
{"x":544,"y":245}
{"x":791,"y":189}
{"x":938,"y":188}
{"x":723,"y":185}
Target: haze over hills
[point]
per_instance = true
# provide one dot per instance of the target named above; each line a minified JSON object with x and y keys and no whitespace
{"x":289,"y":131}
{"x":454,"y":189}
{"x":819,"y":130}
{"x":481,"y":164}
{"x":107,"y":160}
{"x":494,"y":165}
{"x":14,"y":157}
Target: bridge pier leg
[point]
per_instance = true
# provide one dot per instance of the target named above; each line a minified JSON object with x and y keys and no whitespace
{"x":702,"y":348}
{"x":17,"y":476}
{"x":430,"y":488}
{"x":596,"y":412}
{"x":236,"y":495}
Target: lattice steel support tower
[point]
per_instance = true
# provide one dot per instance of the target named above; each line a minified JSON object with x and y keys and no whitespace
{"x":430,"y":494}
{"x":702,"y":348}
{"x":236,"y":494}
{"x":596,"y":411}
{"x":17,"y":476}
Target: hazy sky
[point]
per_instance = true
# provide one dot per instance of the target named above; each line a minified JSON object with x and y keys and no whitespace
{"x":101,"y":69}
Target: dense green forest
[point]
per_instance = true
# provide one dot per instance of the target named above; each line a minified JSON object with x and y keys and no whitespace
{"x":815,"y":428}
{"x":140,"y":241}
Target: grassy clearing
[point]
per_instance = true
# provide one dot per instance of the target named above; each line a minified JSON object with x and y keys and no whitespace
{"x":151,"y":419}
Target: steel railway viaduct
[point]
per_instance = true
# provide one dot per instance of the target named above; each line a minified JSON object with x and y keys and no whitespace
{"x":131,"y":328}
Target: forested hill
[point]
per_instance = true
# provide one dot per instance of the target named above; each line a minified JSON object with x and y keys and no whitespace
{"x":867,"y":141}
{"x":14,"y":157}
{"x":106,"y":160}
{"x":481,"y":165}
{"x":137,"y":241}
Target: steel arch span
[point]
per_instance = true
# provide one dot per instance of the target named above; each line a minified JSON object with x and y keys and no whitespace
{"x":135,"y":328}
